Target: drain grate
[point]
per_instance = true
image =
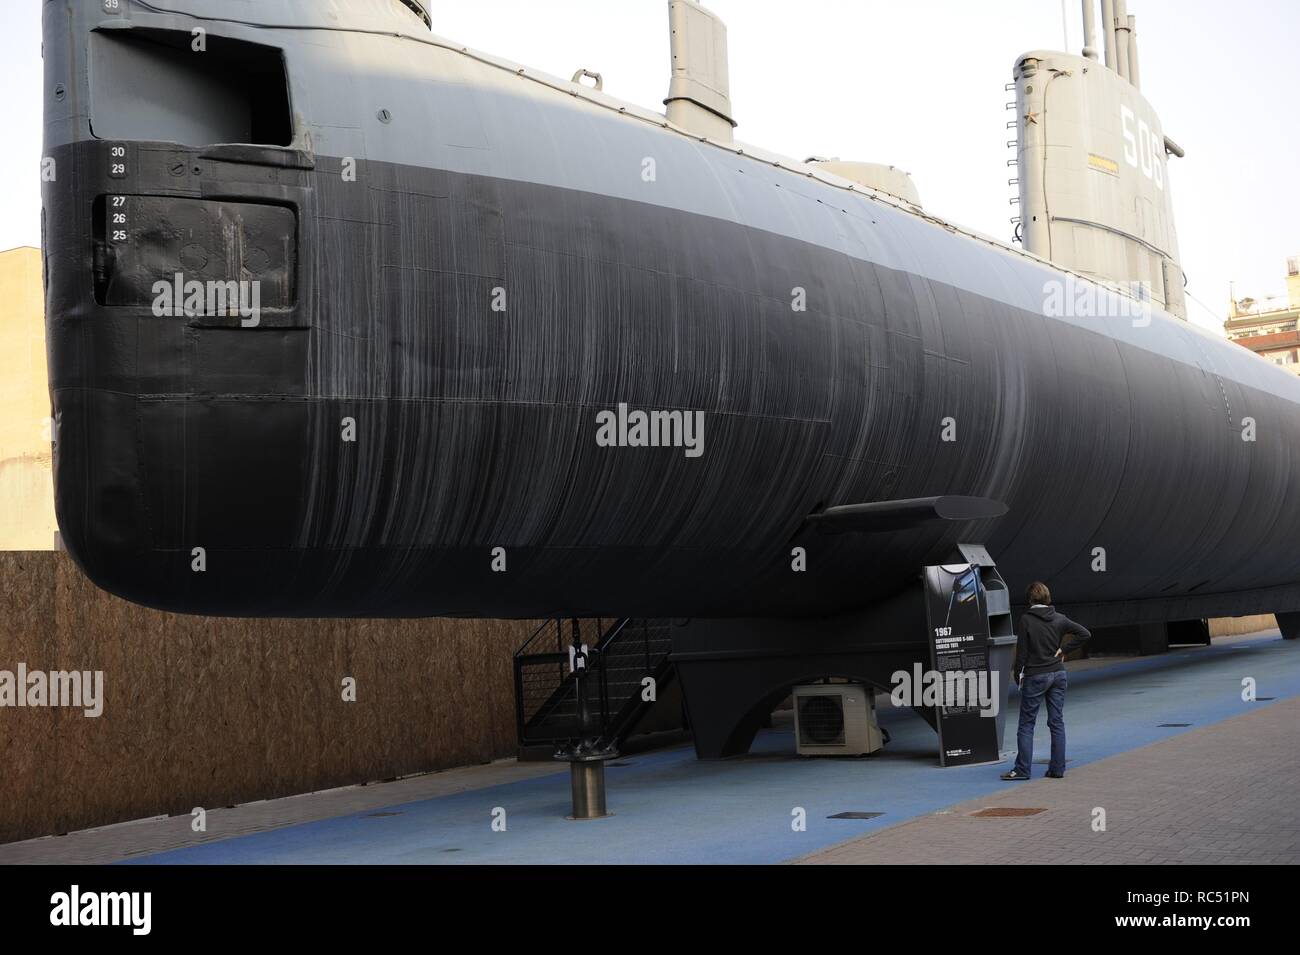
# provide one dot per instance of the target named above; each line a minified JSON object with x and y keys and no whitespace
{"x":376,"y":815}
{"x":1171,"y":725}
{"x":1263,"y":699}
{"x":855,"y":815}
{"x":1008,"y":811}
{"x":1048,"y":762}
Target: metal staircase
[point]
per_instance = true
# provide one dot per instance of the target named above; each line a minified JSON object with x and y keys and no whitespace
{"x":620,"y":657}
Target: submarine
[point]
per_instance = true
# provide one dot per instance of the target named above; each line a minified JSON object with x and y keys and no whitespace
{"x":522,"y":350}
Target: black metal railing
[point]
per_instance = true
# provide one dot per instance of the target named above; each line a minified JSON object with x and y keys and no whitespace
{"x":548,"y":708}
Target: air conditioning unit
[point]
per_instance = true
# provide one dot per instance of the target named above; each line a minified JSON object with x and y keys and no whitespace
{"x":835,"y":719}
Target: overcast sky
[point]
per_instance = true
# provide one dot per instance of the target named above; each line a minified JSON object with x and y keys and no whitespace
{"x":915,"y":83}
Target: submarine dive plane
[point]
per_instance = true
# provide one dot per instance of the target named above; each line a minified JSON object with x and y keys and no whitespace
{"x":345,"y":319}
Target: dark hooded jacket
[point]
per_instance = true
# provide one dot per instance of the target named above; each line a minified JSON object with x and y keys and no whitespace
{"x":1042,"y":632}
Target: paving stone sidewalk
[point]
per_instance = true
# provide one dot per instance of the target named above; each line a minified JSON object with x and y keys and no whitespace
{"x":1228,"y":793}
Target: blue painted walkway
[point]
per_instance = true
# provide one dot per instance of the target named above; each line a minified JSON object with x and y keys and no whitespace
{"x":671,"y":808}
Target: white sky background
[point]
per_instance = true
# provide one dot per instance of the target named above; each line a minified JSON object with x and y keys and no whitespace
{"x":915,"y":83}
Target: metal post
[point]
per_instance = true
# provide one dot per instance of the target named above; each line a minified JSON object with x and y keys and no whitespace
{"x":1108,"y":31}
{"x":1089,"y":28}
{"x":1134,"y":75}
{"x":587,"y":779}
{"x":1121,"y":38}
{"x":580,"y":679}
{"x":586,"y":757}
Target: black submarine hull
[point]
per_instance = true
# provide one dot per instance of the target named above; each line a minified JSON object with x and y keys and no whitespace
{"x":472,"y":328}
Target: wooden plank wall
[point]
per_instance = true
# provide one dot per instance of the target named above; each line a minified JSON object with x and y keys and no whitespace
{"x":202,"y":711}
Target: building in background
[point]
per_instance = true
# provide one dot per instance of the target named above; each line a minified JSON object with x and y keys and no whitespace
{"x":1268,"y":326}
{"x":26,"y":477}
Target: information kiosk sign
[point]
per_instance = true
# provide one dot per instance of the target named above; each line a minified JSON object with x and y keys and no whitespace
{"x":956,"y":604}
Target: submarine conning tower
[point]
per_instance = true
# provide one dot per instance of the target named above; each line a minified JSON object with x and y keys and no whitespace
{"x":1091,"y":164}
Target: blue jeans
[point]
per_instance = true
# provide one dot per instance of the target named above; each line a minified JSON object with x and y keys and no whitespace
{"x":1033,"y":690}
